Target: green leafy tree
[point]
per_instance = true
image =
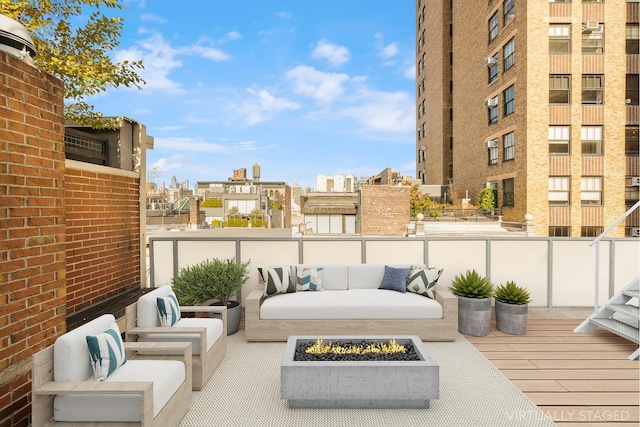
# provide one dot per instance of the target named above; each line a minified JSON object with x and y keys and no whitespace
{"x":76,"y":53}
{"x":419,"y":201}
{"x":486,"y":199}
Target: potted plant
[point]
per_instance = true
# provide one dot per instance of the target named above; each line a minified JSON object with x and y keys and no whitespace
{"x":474,"y":303}
{"x":512,"y":308}
{"x":213,"y":279}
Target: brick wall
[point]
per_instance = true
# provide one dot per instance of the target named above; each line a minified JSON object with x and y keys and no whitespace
{"x":32,"y":227}
{"x":103,"y":235}
{"x":384,"y":210}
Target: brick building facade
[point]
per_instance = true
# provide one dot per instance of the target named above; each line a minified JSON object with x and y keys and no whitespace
{"x":384,"y":210}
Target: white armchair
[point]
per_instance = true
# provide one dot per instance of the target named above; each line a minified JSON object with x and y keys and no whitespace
{"x":208,"y":335}
{"x":143,"y":392}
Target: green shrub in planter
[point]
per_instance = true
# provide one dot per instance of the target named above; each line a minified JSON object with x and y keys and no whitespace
{"x":474,"y":303}
{"x":471,"y":285}
{"x":511,"y":293}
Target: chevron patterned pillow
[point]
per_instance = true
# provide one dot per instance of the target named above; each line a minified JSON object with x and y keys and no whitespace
{"x":309,"y":279}
{"x":422,"y":280}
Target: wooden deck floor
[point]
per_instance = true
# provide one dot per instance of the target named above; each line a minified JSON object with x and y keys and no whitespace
{"x":578,"y":379}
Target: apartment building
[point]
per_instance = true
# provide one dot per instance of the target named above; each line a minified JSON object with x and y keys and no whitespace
{"x":536,"y":99}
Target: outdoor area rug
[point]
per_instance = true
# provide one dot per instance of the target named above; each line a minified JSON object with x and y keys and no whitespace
{"x":245,"y":391}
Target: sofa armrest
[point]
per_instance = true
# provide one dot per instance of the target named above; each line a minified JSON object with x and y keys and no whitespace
{"x":447,"y":299}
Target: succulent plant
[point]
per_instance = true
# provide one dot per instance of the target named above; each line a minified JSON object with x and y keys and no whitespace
{"x":511,"y":293}
{"x":471,"y":285}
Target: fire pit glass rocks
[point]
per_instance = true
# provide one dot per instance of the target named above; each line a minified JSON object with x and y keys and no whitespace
{"x":403,"y":383}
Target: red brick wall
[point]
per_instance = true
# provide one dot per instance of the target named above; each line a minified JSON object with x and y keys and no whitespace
{"x":103,"y":236}
{"x":385,"y":210}
{"x":32,"y":227}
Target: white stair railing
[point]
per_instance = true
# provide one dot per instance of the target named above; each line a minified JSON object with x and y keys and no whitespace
{"x":596,"y":242}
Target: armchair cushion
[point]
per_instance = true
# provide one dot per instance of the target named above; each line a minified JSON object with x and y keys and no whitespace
{"x":106,"y":351}
{"x":166,"y":375}
{"x":168,"y":309}
{"x":148,"y":307}
{"x":214,"y":328}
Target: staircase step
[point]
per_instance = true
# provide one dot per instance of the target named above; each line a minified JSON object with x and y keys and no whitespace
{"x":621,"y":329}
{"x":633,"y":293}
{"x":626,"y":309}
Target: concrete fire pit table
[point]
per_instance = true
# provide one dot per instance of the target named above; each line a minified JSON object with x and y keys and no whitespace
{"x":359,"y":384}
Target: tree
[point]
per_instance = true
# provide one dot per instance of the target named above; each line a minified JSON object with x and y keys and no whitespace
{"x":77,"y":54}
{"x":486,"y":199}
{"x":419,"y":201}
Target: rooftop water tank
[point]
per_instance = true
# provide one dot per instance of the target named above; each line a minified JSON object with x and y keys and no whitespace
{"x":15,"y":39}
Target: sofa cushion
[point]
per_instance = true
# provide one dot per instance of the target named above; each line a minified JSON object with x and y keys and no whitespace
{"x":167,"y":376}
{"x":278,"y":281}
{"x":71,"y":360}
{"x":395,"y":279}
{"x":147,"y":307}
{"x":214,"y":331}
{"x":168,"y":309}
{"x":308,"y":279}
{"x":106,"y":351}
{"x":351,"y":304}
{"x":422,"y":280}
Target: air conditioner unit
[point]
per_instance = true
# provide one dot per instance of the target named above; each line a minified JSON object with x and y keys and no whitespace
{"x":424,"y":147}
{"x":491,"y":144}
{"x":590,"y":26}
{"x":635,"y":180}
{"x":491,"y":102}
{"x":490,"y":61}
{"x":635,"y":232}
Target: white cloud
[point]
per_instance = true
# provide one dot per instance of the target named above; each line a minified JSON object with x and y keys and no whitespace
{"x":336,"y":55}
{"x":263,"y":106}
{"x":188,"y":144}
{"x":323,"y":87}
{"x":151,"y":17}
{"x":231,"y":36}
{"x":212,"y":53}
{"x":410,"y":72}
{"x":389,"y":50}
{"x":382,"y":112}
{"x":283,"y":15}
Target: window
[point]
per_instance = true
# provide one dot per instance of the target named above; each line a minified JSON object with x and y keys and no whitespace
{"x":559,"y":38}
{"x":633,"y":36}
{"x":559,"y":1}
{"x":632,"y":89}
{"x":493,"y":68}
{"x":509,"y":11}
{"x":508,"y":54}
{"x":559,"y":139}
{"x":591,"y":190}
{"x":493,"y":155}
{"x":631,"y":194}
{"x":592,"y":39}
{"x":507,"y":192}
{"x":591,"y":231}
{"x":592,"y":89}
{"x":493,"y":27}
{"x":591,"y":1}
{"x":631,"y":134}
{"x":591,"y":140}
{"x":508,"y":147}
{"x":559,"y":231}
{"x":559,"y":89}
{"x":493,"y":111}
{"x":509,"y":102}
{"x":559,"y":192}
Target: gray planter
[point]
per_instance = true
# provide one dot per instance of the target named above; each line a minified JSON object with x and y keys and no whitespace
{"x":511,"y":318}
{"x":233,"y":316}
{"x":474,"y":316}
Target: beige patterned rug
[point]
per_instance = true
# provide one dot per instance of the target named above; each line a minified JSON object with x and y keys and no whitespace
{"x":245,"y":391}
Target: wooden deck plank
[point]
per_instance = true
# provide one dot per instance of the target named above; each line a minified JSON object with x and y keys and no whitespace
{"x":570,"y":346}
{"x":507,"y":365}
{"x":559,"y":355}
{"x":538,"y":385}
{"x":585,"y":364}
{"x":584,"y":399}
{"x":596,"y":413}
{"x":600,"y":385}
{"x":516,"y":373}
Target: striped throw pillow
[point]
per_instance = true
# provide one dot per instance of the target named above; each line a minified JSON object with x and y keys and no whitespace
{"x":278,"y":281}
{"x":168,"y":309}
{"x":106,"y":351}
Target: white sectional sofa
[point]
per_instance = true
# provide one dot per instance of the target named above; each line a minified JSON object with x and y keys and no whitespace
{"x":350,"y":303}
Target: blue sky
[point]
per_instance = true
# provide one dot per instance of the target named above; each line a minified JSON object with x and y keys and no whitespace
{"x":302,"y":88}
